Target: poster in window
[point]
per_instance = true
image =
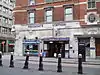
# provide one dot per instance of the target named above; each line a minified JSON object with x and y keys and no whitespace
{"x":30,"y":46}
{"x":66,"y":46}
{"x":45,"y":46}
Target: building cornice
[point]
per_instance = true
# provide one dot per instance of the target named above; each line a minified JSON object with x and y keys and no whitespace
{"x":19,"y":8}
{"x":19,"y":11}
{"x":40,"y":8}
{"x":97,"y":0}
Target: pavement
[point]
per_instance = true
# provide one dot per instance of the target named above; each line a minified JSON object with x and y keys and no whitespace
{"x":69,"y":66}
{"x":55,"y":60}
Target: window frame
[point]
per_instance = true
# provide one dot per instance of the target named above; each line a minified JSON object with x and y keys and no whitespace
{"x":0,"y":8}
{"x":49,"y":2}
{"x":10,"y":21}
{"x":29,"y":18}
{"x":46,"y":16}
{"x":29,"y":2}
{"x":91,"y":4}
{"x":65,"y":14}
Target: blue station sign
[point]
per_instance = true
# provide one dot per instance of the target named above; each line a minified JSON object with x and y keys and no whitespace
{"x":56,"y":39}
{"x":31,"y":41}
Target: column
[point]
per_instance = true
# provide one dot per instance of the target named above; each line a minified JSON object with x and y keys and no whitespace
{"x":40,"y":47}
{"x":6,"y":46}
{"x":92,"y":48}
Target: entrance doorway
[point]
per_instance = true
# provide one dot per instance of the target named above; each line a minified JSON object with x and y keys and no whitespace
{"x":97,"y":47}
{"x":55,"y":47}
{"x":86,"y":49}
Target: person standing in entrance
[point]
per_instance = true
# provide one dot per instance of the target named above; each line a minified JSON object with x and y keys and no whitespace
{"x":61,"y":50}
{"x":56,"y":50}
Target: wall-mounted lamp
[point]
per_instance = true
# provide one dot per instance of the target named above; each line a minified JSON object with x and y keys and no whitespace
{"x":51,"y":42}
{"x":36,"y":38}
{"x":24,"y":38}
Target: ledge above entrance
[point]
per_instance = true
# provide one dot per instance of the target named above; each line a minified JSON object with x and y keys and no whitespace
{"x":56,"y":39}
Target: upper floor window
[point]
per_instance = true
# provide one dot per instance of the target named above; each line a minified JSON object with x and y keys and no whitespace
{"x":0,"y":8}
{"x":91,"y":3}
{"x":10,"y":21}
{"x":31,"y":18}
{"x":48,"y":1}
{"x":10,"y":12}
{"x":31,"y":2}
{"x":68,"y":14}
{"x":4,"y":30}
{"x":0,"y":19}
{"x":48,"y":15}
{"x":4,"y":10}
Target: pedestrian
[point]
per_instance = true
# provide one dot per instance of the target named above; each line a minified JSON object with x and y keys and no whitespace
{"x":61,"y":50}
{"x":56,"y":51}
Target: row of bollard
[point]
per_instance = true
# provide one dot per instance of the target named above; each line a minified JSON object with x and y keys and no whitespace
{"x":0,"y":58}
{"x":59,"y":67}
{"x":11,"y":60}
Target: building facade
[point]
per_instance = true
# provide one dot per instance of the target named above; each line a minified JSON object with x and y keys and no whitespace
{"x":71,"y":22}
{"x":6,"y":22}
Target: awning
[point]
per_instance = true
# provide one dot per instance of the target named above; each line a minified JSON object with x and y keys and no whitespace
{"x":31,"y":41}
{"x":11,"y":42}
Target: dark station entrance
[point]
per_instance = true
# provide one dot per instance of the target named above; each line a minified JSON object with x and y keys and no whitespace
{"x":56,"y":46}
{"x":84,"y":47}
{"x":97,"y":41}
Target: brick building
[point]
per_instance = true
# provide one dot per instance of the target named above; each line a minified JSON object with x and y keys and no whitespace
{"x":64,"y":12}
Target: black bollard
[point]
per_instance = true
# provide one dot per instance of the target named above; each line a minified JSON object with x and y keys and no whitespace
{"x":59,"y":67}
{"x":80,"y":64}
{"x":11,"y":61}
{"x":26,"y":61}
{"x":40,"y":63}
{"x":1,"y":58}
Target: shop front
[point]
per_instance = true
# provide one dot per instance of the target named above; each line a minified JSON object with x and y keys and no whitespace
{"x":56,"y":45}
{"x":31,"y":46}
{"x":3,"y":46}
{"x":11,"y":45}
{"x":97,"y":40}
{"x":84,"y":49}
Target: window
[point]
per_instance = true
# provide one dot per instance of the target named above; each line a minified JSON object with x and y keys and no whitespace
{"x":31,"y":18}
{"x":4,"y":19}
{"x":10,"y":12}
{"x":91,"y":4}
{"x":0,"y":8}
{"x":68,"y":14}
{"x":31,"y":2}
{"x":48,"y":1}
{"x":11,"y":3}
{"x":0,"y":19}
{"x":4,"y":30}
{"x":10,"y":21}
{"x":11,"y":0}
{"x":48,"y":16}
{"x":4,"y":10}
